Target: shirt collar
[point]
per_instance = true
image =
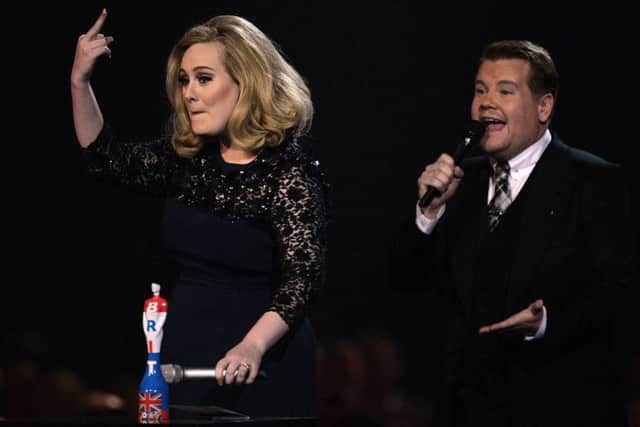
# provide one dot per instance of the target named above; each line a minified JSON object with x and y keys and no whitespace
{"x":530,"y":156}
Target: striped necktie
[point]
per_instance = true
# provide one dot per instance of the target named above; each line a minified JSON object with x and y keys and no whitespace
{"x":501,"y":195}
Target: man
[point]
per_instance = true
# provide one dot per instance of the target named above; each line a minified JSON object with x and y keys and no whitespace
{"x":533,"y":248}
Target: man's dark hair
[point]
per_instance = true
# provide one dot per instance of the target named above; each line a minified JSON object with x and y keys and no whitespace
{"x":543,"y":77}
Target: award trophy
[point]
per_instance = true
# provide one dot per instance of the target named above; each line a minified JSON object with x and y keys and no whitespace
{"x":153,"y":393}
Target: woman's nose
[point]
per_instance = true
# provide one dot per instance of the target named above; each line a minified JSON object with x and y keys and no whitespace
{"x":188,"y":94}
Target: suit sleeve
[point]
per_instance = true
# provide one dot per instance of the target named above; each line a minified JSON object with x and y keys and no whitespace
{"x":413,"y":258}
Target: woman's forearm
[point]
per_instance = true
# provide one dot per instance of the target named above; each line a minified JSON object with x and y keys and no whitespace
{"x":267,"y":331}
{"x":87,"y":117}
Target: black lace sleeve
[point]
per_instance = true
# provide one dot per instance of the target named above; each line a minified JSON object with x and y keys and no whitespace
{"x":299,"y":214}
{"x":145,"y":166}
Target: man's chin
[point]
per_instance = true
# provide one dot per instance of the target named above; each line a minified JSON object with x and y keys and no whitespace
{"x":491,"y":147}
{"x":498,"y":152}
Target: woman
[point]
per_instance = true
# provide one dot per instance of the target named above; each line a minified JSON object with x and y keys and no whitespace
{"x":245,"y":213}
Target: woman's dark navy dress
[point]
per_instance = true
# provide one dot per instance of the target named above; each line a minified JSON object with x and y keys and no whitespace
{"x":244,"y":240}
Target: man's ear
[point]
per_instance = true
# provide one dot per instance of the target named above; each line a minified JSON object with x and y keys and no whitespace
{"x":545,"y":107}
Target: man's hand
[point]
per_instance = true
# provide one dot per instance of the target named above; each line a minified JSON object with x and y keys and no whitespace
{"x":445,"y":177}
{"x":526,"y":322}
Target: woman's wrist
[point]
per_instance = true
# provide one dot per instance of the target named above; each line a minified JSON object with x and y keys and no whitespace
{"x":255,"y":342}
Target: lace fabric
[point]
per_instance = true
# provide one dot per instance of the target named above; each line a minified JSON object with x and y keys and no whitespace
{"x":282,"y":186}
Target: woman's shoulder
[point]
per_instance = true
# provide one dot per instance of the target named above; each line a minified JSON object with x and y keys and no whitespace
{"x":296,"y":155}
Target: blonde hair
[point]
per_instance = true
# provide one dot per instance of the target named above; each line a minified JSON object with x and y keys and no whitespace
{"x":273,"y":96}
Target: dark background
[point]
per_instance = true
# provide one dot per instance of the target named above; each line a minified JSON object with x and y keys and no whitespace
{"x":392,"y":84}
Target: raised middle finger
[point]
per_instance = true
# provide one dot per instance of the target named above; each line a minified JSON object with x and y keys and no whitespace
{"x":97,"y":26}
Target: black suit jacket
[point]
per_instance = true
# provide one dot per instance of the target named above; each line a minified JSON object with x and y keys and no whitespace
{"x":576,"y":251}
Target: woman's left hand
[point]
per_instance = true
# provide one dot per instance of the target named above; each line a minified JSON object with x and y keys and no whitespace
{"x":240,"y":365}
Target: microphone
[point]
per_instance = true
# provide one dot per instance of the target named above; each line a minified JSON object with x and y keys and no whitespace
{"x":175,"y":373}
{"x":474,"y":133}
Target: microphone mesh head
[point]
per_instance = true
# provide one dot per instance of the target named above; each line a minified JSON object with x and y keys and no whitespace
{"x":476,"y":129}
{"x":172,"y":373}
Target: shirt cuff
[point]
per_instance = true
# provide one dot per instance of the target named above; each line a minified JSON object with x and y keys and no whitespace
{"x":542,"y":329}
{"x":426,"y":225}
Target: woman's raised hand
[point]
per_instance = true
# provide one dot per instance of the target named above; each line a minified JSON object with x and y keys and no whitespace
{"x":90,"y":46}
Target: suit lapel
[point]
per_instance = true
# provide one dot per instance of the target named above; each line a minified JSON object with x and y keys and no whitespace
{"x":546,"y":189}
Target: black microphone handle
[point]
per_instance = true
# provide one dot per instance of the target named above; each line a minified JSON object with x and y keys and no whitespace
{"x":432,"y":192}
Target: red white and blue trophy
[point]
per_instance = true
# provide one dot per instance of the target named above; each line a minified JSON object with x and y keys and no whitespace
{"x":153,"y":393}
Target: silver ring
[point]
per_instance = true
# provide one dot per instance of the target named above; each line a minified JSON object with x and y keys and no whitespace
{"x":245,"y":365}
